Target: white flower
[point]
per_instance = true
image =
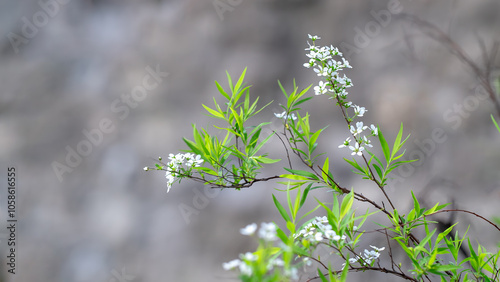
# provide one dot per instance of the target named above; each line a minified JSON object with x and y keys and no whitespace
{"x":377,"y":249}
{"x":194,"y":161}
{"x":231,"y":265}
{"x":146,"y":168}
{"x":374,"y":130}
{"x":353,"y":260}
{"x":277,"y":262}
{"x":170,"y":180}
{"x":283,"y":115}
{"x":359,"y":111}
{"x":267,"y":231}
{"x":346,"y":63}
{"x":249,"y":256}
{"x":346,"y":143}
{"x":245,"y":269}
{"x":356,"y":149}
{"x":367,"y":142}
{"x":358,"y":129}
{"x":249,"y":229}
{"x":310,"y":63}
{"x":321,"y":71}
{"x":307,"y":261}
{"x":292,"y":273}
{"x":318,"y":236}
{"x":314,"y":37}
{"x":320,"y":89}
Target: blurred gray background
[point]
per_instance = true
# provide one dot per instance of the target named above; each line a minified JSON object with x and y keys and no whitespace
{"x":65,"y":66}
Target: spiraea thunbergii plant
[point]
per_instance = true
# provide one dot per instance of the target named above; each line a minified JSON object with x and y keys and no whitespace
{"x":236,"y":159}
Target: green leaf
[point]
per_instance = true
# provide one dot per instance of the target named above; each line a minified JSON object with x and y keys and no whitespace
{"x":379,"y":171}
{"x":304,"y":195}
{"x":397,"y":142}
{"x":294,"y":177}
{"x":214,"y":112}
{"x":321,"y":276}
{"x":302,"y":173}
{"x":265,"y":160}
{"x":385,"y":146}
{"x":240,"y":81}
{"x":222,"y":91}
{"x":256,"y":149}
{"x":281,"y":209}
{"x":495,"y":122}
{"x":238,"y":119}
{"x":324,"y":171}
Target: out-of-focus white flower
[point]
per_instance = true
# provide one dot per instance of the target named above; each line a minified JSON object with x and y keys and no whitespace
{"x":377,"y":249}
{"x":231,"y":265}
{"x":283,"y":115}
{"x":249,"y":229}
{"x":249,"y":256}
{"x":313,"y":37}
{"x":245,"y":269}
{"x":267,"y":231}
{"x":292,"y":273}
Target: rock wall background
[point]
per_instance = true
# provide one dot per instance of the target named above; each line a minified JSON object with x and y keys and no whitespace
{"x":108,"y":218}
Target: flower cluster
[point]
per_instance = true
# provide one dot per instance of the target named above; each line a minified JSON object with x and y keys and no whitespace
{"x":283,"y":115}
{"x":318,"y":230}
{"x":368,"y":256}
{"x":321,"y":59}
{"x":180,"y":165}
{"x":267,"y":233}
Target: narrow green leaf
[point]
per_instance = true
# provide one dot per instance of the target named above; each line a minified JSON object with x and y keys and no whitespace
{"x":397,"y":142}
{"x":265,"y":160}
{"x":230,"y":82}
{"x":222,"y":91}
{"x":379,"y":171}
{"x":302,"y":173}
{"x":495,"y":122}
{"x":385,"y":146}
{"x":281,"y":209}
{"x":240,"y":81}
{"x":214,"y":112}
{"x":321,"y":276}
{"x":257,"y":148}
{"x":304,"y":195}
{"x":324,"y":172}
{"x":294,"y":177}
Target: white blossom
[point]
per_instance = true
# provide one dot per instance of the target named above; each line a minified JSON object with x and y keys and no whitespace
{"x":359,"y":111}
{"x":249,"y":256}
{"x":267,"y":231}
{"x":357,"y":149}
{"x":374,"y":129}
{"x":358,"y":128}
{"x":367,"y":142}
{"x":249,"y":229}
{"x":320,"y":89}
{"x":245,"y":269}
{"x":283,"y":115}
{"x":231,"y":265}
{"x":313,"y":37}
